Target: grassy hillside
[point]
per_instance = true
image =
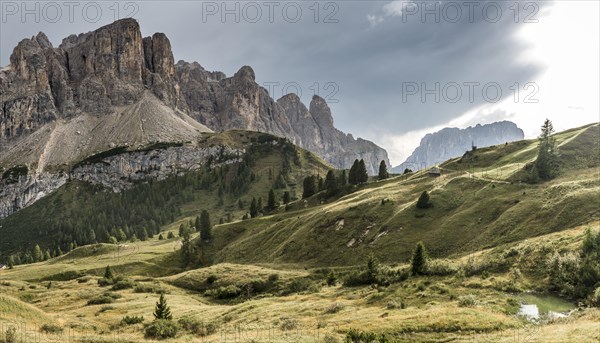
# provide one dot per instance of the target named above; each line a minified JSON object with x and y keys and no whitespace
{"x":496,"y":244}
{"x":476,"y":207}
{"x":83,"y":213}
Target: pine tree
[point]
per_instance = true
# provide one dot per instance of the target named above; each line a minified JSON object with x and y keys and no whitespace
{"x":286,"y":197}
{"x":353,"y":174}
{"x":197,"y":223}
{"x":161,"y":310}
{"x":271,"y":201}
{"x":418,"y":263}
{"x":170,"y":235}
{"x":259,"y":204}
{"x":37,"y":254}
{"x":423,"y":201}
{"x":373,"y":267}
{"x":342,"y":180}
{"x":205,"y":226}
{"x":253,"y":208}
{"x":331,"y":183}
{"x":383,"y":172}
{"x":240,"y":204}
{"x":108,"y":274}
{"x":547,"y":160}
{"x":47,"y":255}
{"x":362,"y":174}
{"x":181,"y":230}
{"x":309,"y":186}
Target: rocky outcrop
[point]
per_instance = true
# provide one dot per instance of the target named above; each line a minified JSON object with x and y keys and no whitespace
{"x":116,"y":172}
{"x":453,"y":142}
{"x":99,"y":72}
{"x":313,"y":129}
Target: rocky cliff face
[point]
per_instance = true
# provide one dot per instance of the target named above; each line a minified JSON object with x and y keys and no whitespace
{"x":116,"y":172}
{"x":453,"y":142}
{"x":97,"y":73}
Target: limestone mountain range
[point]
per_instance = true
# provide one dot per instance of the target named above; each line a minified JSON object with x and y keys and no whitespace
{"x":113,"y":87}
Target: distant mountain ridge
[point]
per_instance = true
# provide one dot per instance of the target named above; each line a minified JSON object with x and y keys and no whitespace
{"x":448,"y":143}
{"x":100,"y":72}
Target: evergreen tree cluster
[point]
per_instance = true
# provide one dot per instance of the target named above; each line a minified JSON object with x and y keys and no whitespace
{"x":358,"y":173}
{"x":81,"y":213}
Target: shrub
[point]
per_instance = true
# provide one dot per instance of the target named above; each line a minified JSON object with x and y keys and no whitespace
{"x":330,"y":339}
{"x":334,"y":308}
{"x":10,"y":336}
{"x":225,"y":292}
{"x":123,"y":284}
{"x":161,"y":329}
{"x":288,"y":324}
{"x":211,"y":279}
{"x":106,"y":308}
{"x":356,"y":336}
{"x":51,"y":328}
{"x":331,"y":279}
{"x":395,"y":305}
{"x":441,"y":267}
{"x":83,"y":279}
{"x":105,"y":282}
{"x":273,"y":278}
{"x":197,"y":327}
{"x":298,"y":285}
{"x":127,"y":320}
{"x":148,"y":289}
{"x":102,"y":299}
{"x":467,"y":300}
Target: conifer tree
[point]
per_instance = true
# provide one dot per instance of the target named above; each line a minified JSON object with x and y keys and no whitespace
{"x":330,"y":183}
{"x":271,"y":201}
{"x":547,"y":160}
{"x":37,"y":254}
{"x":423,"y":201}
{"x":197,"y":223}
{"x":309,"y":186}
{"x":353,"y":174}
{"x":253,"y":208}
{"x":343,"y":180}
{"x":286,"y":197}
{"x":205,"y":226}
{"x":383,"y":172}
{"x":108,"y":274}
{"x":418,"y":263}
{"x":162,"y":310}
{"x":362,"y":174}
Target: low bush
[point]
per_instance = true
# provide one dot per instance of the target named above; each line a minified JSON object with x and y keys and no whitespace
{"x":101,"y":299}
{"x":51,"y":328}
{"x":441,"y":267}
{"x":334,"y":308}
{"x":467,"y":300}
{"x":161,"y":329}
{"x":131,"y":320}
{"x":197,"y":327}
{"x":103,"y":282}
{"x":123,"y":284}
{"x":225,"y":292}
{"x":145,"y":288}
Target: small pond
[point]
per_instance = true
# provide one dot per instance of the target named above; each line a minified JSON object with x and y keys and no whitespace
{"x":538,"y":307}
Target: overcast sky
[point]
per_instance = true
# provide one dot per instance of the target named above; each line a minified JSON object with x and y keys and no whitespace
{"x":391,"y":70}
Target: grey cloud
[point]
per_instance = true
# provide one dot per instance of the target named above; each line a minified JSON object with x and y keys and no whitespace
{"x":368,"y":63}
